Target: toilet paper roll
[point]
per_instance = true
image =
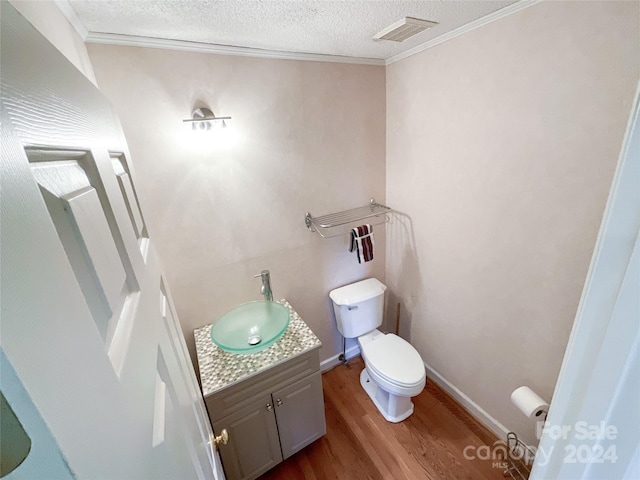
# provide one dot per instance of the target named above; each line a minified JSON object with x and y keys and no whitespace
{"x":528,"y":402}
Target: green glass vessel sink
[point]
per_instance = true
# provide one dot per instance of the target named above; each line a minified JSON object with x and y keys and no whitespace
{"x":250,"y":327}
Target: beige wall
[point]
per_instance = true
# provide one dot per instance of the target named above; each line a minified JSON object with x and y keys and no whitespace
{"x":501,"y":147}
{"x":310,"y":137}
{"x":47,"y":18}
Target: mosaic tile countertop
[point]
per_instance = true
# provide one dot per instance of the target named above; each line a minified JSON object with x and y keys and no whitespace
{"x":219,"y":369}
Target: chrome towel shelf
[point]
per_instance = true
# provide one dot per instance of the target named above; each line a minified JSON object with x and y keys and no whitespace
{"x":322,"y":224}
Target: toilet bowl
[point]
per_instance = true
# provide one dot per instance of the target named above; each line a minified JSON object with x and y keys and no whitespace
{"x":394,"y":371}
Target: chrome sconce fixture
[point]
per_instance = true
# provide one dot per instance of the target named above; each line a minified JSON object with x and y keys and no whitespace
{"x":204,"y":119}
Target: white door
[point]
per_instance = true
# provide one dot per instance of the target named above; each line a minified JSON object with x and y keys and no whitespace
{"x":593,"y":427}
{"x":94,"y":365}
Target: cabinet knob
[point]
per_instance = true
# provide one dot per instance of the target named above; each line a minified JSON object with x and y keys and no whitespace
{"x":269,"y":407}
{"x":278,"y":402}
{"x":223,"y":438}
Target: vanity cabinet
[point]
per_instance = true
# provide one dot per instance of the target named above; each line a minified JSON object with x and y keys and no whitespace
{"x":269,"y":416}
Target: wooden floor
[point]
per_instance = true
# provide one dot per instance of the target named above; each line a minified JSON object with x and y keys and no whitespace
{"x":361,"y":444}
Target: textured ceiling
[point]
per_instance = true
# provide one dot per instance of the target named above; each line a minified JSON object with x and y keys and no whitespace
{"x":341,"y":27}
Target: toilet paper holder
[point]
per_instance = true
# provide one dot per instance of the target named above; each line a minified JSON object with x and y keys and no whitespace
{"x":519,"y":456}
{"x":529,"y":403}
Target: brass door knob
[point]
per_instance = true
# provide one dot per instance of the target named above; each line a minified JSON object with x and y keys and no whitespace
{"x":223,"y":438}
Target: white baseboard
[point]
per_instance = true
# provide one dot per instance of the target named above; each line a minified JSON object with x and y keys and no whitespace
{"x":472,"y":407}
{"x":334,"y":361}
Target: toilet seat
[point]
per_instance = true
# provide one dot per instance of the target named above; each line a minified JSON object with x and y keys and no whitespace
{"x":394,"y":362}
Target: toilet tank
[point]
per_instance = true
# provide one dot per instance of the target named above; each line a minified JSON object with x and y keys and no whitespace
{"x":358,"y":307}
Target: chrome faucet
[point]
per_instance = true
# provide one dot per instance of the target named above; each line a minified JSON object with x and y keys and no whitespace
{"x":266,"y":285}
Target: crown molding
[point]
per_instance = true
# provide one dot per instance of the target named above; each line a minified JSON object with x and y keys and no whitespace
{"x":70,"y":14}
{"x":149,"y":42}
{"x":480,"y":22}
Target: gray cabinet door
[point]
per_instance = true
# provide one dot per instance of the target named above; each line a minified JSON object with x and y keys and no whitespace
{"x":253,"y":446}
{"x":300,"y":414}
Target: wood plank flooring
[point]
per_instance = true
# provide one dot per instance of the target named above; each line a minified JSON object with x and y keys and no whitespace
{"x":361,"y":444}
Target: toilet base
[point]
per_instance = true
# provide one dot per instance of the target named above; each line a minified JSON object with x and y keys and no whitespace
{"x":392,"y":407}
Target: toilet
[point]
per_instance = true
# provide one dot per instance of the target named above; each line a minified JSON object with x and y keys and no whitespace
{"x":394,"y":371}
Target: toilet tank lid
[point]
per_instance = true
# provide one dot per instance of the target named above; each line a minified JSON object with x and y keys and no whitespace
{"x":357,"y":292}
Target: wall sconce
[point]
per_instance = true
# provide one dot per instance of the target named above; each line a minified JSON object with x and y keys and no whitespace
{"x":203,"y":119}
